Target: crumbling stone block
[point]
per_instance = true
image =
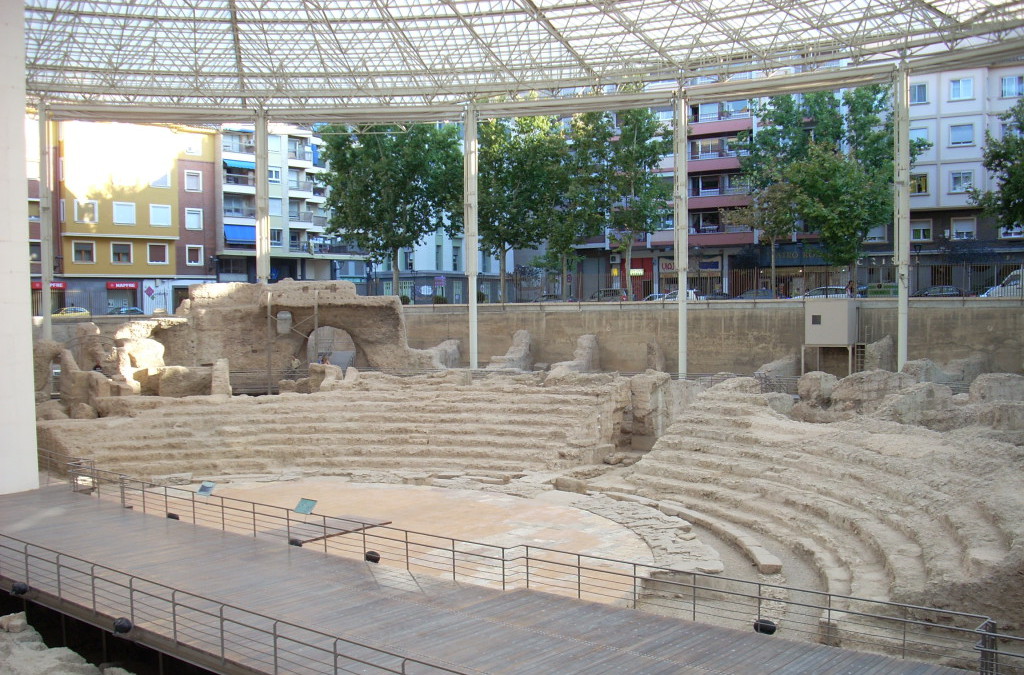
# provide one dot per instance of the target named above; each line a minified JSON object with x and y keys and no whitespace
{"x":815,"y":388}
{"x":997,"y":387}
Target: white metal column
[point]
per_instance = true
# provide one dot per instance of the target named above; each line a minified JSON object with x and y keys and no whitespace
{"x":262,"y":200}
{"x":680,"y":223}
{"x":471,"y":155}
{"x":901,"y":209}
{"x":18,"y":461}
{"x":45,"y":222}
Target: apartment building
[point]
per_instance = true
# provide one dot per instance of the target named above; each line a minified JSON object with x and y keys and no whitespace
{"x":300,"y":248}
{"x":952,"y":243}
{"x":133,"y":212}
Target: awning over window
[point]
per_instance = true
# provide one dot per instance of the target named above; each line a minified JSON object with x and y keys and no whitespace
{"x":238,"y":164}
{"x":240,"y":234}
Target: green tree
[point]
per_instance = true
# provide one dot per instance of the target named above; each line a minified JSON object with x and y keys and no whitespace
{"x":834,"y":151}
{"x":586,"y":211}
{"x":642,"y":198}
{"x":1004,"y":159}
{"x":392,"y":186}
{"x":772,"y":212}
{"x":841,"y":199}
{"x":521,"y":185}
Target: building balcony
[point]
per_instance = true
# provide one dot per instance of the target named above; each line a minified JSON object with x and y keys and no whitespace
{"x":722,"y":199}
{"x":300,"y":217}
{"x":709,"y":162}
{"x":247,"y":212}
{"x":722,"y":125}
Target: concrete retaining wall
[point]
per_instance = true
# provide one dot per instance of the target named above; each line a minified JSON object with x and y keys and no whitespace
{"x":724,"y":335}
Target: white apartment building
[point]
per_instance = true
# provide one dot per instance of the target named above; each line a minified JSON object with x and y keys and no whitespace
{"x":299,"y":245}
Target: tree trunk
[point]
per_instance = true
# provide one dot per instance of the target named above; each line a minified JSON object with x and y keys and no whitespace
{"x":395,"y":272}
{"x":501,"y":274}
{"x":563,"y":285}
{"x":775,"y":292}
{"x":628,"y":281}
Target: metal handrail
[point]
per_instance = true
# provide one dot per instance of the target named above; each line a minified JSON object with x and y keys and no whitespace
{"x":907,"y":630}
{"x":132,"y":587}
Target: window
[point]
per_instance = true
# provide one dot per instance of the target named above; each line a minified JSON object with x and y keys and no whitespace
{"x":737,"y":108}
{"x":704,"y":221}
{"x":456,"y":258}
{"x":275,"y":237}
{"x":121,"y":253}
{"x":919,"y":134}
{"x":274,"y":175}
{"x":237,"y":143}
{"x":918,"y":183}
{"x":193,"y":219}
{"x":1013,"y":233}
{"x":961,"y":89}
{"x":961,"y":181}
{"x":35,"y":251}
{"x":705,"y":148}
{"x":160,"y":215}
{"x":962,"y":228}
{"x":193,"y":255}
{"x":961,"y":134}
{"x":920,"y":230}
{"x":86,"y":211}
{"x":61,"y":205}
{"x":193,"y":181}
{"x":163,"y":181}
{"x":1007,"y":129}
{"x":83,"y":251}
{"x":273,"y":143}
{"x":157,"y":254}
{"x":294,"y":205}
{"x":876,"y":233}
{"x":918,"y":93}
{"x":1012,"y":86}
{"x":236,"y":206}
{"x":124,"y":213}
{"x":705,"y":186}
{"x":274,"y":206}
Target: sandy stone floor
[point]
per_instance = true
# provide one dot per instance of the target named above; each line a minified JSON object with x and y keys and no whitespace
{"x":469,"y":515}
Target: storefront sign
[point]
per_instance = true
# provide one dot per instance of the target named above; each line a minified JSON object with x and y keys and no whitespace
{"x":54,"y":285}
{"x":122,"y":285}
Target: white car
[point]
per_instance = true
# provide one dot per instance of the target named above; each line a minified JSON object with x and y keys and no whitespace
{"x":826,"y":292}
{"x":674,"y":295}
{"x":1004,"y":290}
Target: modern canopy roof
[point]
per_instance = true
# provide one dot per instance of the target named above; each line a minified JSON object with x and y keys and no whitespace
{"x":221,"y":59}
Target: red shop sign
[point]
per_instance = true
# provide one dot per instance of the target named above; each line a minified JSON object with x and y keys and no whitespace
{"x":116,"y":285}
{"x":54,"y":285}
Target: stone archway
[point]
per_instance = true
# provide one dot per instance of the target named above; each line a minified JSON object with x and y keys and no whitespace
{"x":333,"y":344}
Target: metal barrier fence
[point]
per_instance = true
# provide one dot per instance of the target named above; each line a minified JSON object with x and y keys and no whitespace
{"x":907,"y":631}
{"x":204,"y":627}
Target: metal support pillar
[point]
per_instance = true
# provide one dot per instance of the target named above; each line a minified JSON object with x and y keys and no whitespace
{"x":262,"y":200}
{"x":45,"y":222}
{"x":680,"y":224}
{"x":901,"y":209}
{"x":471,"y":155}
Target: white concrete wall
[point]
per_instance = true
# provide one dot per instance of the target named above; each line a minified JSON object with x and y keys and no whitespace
{"x":17,"y":404}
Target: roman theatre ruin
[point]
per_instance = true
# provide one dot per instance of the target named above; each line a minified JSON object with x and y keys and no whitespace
{"x":881,"y":485}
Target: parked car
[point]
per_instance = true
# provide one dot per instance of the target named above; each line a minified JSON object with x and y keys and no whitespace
{"x":552,"y":297}
{"x":716,"y":295}
{"x":655,"y":296}
{"x":756,"y":294}
{"x":73,"y":312}
{"x":826,"y":292}
{"x":125,"y":310}
{"x":1007,"y":289}
{"x":609,"y":295}
{"x":941,"y":292}
{"x":691,"y":294}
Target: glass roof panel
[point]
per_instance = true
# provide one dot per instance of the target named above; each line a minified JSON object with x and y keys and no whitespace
{"x":234,"y":55}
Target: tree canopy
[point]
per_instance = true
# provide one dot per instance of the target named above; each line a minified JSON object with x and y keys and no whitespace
{"x":1004,"y":159}
{"x":392,"y":186}
{"x":836,"y":151}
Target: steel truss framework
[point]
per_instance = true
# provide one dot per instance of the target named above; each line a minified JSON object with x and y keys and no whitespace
{"x":414,"y":60}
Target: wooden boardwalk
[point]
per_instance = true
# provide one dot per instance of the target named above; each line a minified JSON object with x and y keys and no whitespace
{"x":380,"y":613}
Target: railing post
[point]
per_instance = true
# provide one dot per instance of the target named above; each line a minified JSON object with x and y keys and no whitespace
{"x":124,"y":492}
{"x":527,"y":566}
{"x":579,"y":576}
{"x":504,"y":572}
{"x":989,"y":658}
{"x":174,"y":615}
{"x":453,"y":559}
{"x":92,"y":582}
{"x":275,"y":648}
{"x":636,"y":595}
{"x":408,"y":568}
{"x":223,"y":648}
{"x":758,"y":601}
{"x":254,"y":519}
{"x":693,"y":595}
{"x":59,"y":594}
{"x":131,"y":598}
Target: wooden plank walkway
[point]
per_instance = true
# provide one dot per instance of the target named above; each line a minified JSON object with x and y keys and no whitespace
{"x":461,"y":627}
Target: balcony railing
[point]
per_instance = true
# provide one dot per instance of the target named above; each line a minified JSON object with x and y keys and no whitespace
{"x":301,"y":185}
{"x":239,"y":179}
{"x":719,"y":192}
{"x":239,"y":212}
{"x":301,"y":217}
{"x":304,"y":154}
{"x":243,"y":148}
